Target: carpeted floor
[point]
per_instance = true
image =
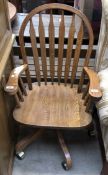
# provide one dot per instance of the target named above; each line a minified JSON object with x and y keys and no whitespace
{"x":44,"y":156}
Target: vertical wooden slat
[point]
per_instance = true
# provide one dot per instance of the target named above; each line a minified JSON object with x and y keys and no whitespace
{"x":43,"y":49}
{"x":77,"y":53}
{"x":86,"y":62}
{"x":51,"y":47}
{"x":61,"y":47}
{"x":24,"y":57}
{"x":35,"y":51}
{"x":69,"y":48}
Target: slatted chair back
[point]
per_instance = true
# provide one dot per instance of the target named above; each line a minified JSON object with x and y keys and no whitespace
{"x":50,"y":63}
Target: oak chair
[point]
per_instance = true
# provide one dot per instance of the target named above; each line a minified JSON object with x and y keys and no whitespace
{"x":54,"y":101}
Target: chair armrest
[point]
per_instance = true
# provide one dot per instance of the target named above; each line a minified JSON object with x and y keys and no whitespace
{"x":12,"y":84}
{"x":94,"y":87}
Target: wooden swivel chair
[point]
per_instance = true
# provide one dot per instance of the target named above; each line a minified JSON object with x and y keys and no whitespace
{"x":54,"y":101}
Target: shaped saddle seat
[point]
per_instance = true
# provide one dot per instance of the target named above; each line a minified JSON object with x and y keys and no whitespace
{"x":53,"y":106}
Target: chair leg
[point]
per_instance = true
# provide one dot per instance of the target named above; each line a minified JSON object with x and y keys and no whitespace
{"x":26,"y":141}
{"x":67,"y":164}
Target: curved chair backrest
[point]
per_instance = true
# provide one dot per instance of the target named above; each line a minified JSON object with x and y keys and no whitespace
{"x":52,"y":60}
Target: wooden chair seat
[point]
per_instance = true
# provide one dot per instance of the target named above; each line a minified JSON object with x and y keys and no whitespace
{"x":53,"y":106}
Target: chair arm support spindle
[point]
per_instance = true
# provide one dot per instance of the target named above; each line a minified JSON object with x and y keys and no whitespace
{"x":94,"y":87}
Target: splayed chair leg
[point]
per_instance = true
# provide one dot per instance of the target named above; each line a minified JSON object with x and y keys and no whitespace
{"x":26,"y":141}
{"x":67,"y":164}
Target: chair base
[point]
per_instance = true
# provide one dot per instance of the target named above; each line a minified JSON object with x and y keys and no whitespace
{"x":27,"y":140}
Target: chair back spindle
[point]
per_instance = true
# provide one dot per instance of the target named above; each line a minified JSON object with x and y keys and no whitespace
{"x":69,"y":48}
{"x":42,"y":47}
{"x":61,"y":46}
{"x":51,"y":47}
{"x":24,"y":57}
{"x":77,"y":54}
{"x":35,"y":51}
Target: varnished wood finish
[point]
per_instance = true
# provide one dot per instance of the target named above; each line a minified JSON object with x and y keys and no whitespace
{"x":64,"y":149}
{"x":47,"y":105}
{"x":6,"y":102}
{"x":85,"y":91}
{"x":94,"y":87}
{"x":77,"y":54}
{"x":24,"y":57}
{"x":42,"y":34}
{"x":86,"y":62}
{"x":53,"y":106}
{"x":27,"y":140}
{"x":4,"y":55}
{"x":35,"y":51}
{"x":51,"y":47}
{"x":61,"y":46}
{"x":43,"y":49}
{"x":12,"y":84}
{"x":86,"y":99}
{"x":69,"y":48}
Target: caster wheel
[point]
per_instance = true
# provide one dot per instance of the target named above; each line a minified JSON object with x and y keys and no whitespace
{"x":64,"y":165}
{"x":20,"y":155}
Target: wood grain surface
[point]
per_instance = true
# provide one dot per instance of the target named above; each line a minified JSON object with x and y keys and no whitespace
{"x":12,"y":84}
{"x":61,"y":46}
{"x":69,"y":48}
{"x":94,"y":87}
{"x":53,"y":106}
{"x":39,"y":32}
{"x":35,"y":51}
{"x":51,"y":47}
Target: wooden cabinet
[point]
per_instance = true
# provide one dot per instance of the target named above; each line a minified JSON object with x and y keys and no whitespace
{"x":6,"y":103}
